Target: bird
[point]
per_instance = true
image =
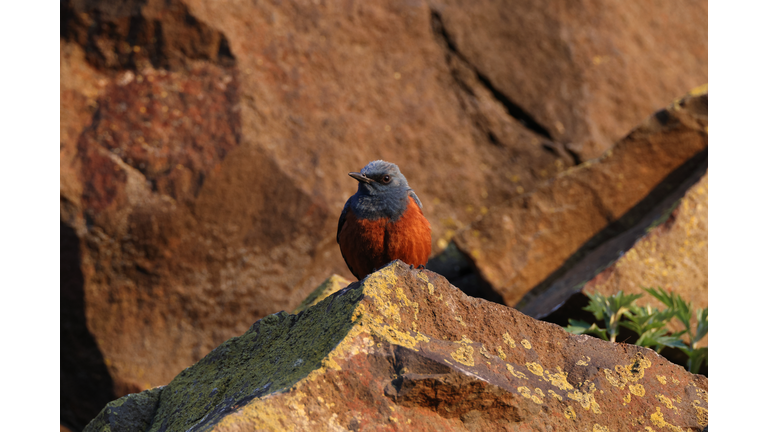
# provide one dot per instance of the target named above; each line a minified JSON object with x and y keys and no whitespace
{"x":383,"y":221}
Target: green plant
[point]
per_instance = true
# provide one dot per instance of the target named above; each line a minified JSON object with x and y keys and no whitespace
{"x":650,"y":324}
{"x":683,"y":312}
{"x":610,"y":309}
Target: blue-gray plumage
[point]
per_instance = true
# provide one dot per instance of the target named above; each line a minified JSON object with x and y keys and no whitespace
{"x":377,"y":198}
{"x":382,"y":222}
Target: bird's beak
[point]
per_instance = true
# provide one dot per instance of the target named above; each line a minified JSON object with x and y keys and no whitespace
{"x":360,"y":177}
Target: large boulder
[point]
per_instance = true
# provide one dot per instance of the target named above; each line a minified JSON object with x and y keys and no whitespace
{"x":672,"y":255}
{"x":204,"y":151}
{"x":586,"y":216}
{"x":405,"y":349}
{"x":582,"y":72}
{"x":667,"y":248}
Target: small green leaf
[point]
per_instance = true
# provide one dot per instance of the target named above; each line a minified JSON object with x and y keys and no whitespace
{"x":582,"y":327}
{"x":662,"y":296}
{"x":702,"y":325}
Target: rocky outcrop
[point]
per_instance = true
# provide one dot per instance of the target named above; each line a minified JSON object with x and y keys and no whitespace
{"x":593,"y":212}
{"x":671,"y":252}
{"x":672,"y":255}
{"x":581,"y":73}
{"x":405,"y":349}
{"x":204,"y":148}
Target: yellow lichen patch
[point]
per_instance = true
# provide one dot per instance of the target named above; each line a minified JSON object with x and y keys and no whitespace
{"x":515,"y":373}
{"x":501,"y":353}
{"x":349,"y":345}
{"x":555,"y":395}
{"x":558,"y":379}
{"x":600,"y":428}
{"x":662,"y":379}
{"x":584,"y":362}
{"x":586,"y":398}
{"x":465,"y":353}
{"x":700,"y":90}
{"x":675,"y":381}
{"x":526,"y":392}
{"x":535,"y":368}
{"x":702,"y":394}
{"x":637,"y":389}
{"x":430,"y":287}
{"x":630,"y":373}
{"x":389,"y":333}
{"x":657,"y":419}
{"x":461,"y":321}
{"x":376,"y":286}
{"x":702,"y":414}
{"x":570,"y":413}
{"x":525,"y":344}
{"x":509,"y":341}
{"x":270,"y":414}
{"x":539,"y":392}
{"x":627,"y":398}
{"x":405,"y":301}
{"x":484,"y":352}
{"x":666,"y":401}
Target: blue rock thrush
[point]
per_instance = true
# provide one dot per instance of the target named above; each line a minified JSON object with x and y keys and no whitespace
{"x":382,"y":222}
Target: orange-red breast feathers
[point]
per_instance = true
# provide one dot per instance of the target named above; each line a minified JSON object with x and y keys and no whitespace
{"x":382,"y":222}
{"x":368,"y":245}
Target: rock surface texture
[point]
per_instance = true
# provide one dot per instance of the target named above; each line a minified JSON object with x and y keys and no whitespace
{"x":205,"y":145}
{"x":405,"y":350}
{"x":672,"y":255}
{"x":523,"y":246}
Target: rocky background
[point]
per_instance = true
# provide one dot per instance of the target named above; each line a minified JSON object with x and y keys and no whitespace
{"x":205,"y":145}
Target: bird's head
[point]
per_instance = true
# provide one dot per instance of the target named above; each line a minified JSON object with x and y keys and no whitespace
{"x":380,"y":178}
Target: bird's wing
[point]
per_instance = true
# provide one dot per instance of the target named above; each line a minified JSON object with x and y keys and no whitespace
{"x":342,"y":219}
{"x":412,"y":194}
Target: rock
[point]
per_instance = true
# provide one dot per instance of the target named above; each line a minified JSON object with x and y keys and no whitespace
{"x":85,"y":381}
{"x":405,"y":349}
{"x":583,"y":73}
{"x":525,"y":246}
{"x":672,"y":255}
{"x":204,"y":151}
{"x":331,"y":285}
{"x":131,"y":413}
{"x":651,"y":232}
{"x":203,"y":167}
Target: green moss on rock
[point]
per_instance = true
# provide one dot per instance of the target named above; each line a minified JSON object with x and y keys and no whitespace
{"x":273,"y":355}
{"x":133,"y":412}
{"x":331,"y":285}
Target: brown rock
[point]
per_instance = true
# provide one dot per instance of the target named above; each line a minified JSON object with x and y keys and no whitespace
{"x":519,"y":247}
{"x":405,"y":350}
{"x":204,"y":152}
{"x":333,"y":284}
{"x":672,"y":256}
{"x":585,"y":72}
{"x":212,"y":163}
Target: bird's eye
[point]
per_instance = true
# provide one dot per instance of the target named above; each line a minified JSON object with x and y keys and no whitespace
{"x":386,"y":179}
